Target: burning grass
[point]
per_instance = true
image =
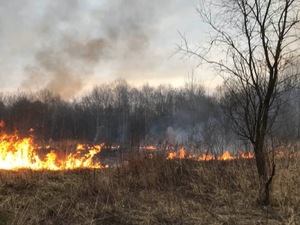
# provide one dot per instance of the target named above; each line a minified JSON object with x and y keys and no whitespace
{"x":23,"y":153}
{"x":150,"y":191}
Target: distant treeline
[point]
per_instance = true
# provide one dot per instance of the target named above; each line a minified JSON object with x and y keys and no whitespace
{"x":118,"y":113}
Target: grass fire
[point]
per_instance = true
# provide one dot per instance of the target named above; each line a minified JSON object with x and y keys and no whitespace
{"x":101,"y":161}
{"x":93,"y":132}
{"x":22,"y":153}
{"x":50,"y":185}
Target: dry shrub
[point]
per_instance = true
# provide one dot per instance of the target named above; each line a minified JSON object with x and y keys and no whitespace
{"x":286,"y":192}
{"x":150,"y":191}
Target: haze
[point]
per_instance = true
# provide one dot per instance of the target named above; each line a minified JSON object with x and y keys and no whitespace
{"x":69,"y":46}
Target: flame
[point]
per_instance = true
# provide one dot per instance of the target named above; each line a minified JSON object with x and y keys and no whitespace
{"x":117,"y":147}
{"x":182,"y":153}
{"x":148,"y":147}
{"x":248,"y":155}
{"x":19,"y":153}
{"x":171,"y":155}
{"x":207,"y":157}
{"x":226,"y":156}
{"x":22,"y":153}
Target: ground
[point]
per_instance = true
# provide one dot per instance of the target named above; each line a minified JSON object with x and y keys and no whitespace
{"x":151,"y":191}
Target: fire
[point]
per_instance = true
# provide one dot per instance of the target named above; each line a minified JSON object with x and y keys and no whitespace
{"x":171,"y":155}
{"x":19,"y":153}
{"x":226,"y":156}
{"x":182,"y":153}
{"x":248,"y":155}
{"x":22,"y":153}
{"x":207,"y":157}
{"x":148,"y":147}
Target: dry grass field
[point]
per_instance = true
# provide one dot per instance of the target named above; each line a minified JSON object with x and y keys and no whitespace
{"x":151,"y":191}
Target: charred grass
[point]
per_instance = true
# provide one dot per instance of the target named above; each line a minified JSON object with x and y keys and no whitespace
{"x":150,"y":191}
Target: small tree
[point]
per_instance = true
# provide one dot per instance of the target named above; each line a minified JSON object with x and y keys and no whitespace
{"x":253,"y":43}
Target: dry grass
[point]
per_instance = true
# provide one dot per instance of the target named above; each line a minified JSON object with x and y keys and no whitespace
{"x":155,"y":191}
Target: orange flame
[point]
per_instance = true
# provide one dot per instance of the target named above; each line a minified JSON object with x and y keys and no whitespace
{"x":207,"y":157}
{"x":148,"y":147}
{"x":18,"y":153}
{"x":226,"y":156}
{"x":173,"y":155}
{"x":248,"y":155}
{"x":182,"y":153}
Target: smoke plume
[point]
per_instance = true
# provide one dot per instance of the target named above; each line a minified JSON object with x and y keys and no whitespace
{"x":78,"y":36}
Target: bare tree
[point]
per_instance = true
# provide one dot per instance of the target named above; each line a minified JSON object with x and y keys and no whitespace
{"x":253,"y":43}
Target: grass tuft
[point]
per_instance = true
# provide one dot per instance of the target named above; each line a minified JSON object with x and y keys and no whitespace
{"x":150,"y":191}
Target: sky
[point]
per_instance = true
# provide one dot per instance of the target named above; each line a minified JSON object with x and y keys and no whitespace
{"x":69,"y":46}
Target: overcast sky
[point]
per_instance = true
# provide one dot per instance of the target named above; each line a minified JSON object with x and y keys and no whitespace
{"x":69,"y":46}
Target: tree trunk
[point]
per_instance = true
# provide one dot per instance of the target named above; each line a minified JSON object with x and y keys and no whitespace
{"x":264,"y":179}
{"x":263,"y":191}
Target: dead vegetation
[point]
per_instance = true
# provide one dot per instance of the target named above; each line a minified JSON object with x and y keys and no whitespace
{"x":150,"y":191}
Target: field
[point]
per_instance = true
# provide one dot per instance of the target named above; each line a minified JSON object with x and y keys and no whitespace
{"x":151,"y":191}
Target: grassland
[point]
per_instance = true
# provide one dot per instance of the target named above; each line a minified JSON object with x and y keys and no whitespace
{"x":151,"y":191}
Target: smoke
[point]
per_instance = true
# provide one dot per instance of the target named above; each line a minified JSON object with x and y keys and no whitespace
{"x":76,"y":36}
{"x":176,"y":136}
{"x":65,"y":67}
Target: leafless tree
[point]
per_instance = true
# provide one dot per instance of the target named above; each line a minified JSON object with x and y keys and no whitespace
{"x":252,"y":45}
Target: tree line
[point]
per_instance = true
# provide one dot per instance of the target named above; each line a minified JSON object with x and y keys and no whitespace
{"x":120,"y":114}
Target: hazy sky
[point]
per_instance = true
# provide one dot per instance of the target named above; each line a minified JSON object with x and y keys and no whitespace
{"x":71,"y":45}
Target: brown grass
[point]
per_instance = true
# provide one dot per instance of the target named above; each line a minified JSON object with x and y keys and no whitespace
{"x":150,"y":191}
